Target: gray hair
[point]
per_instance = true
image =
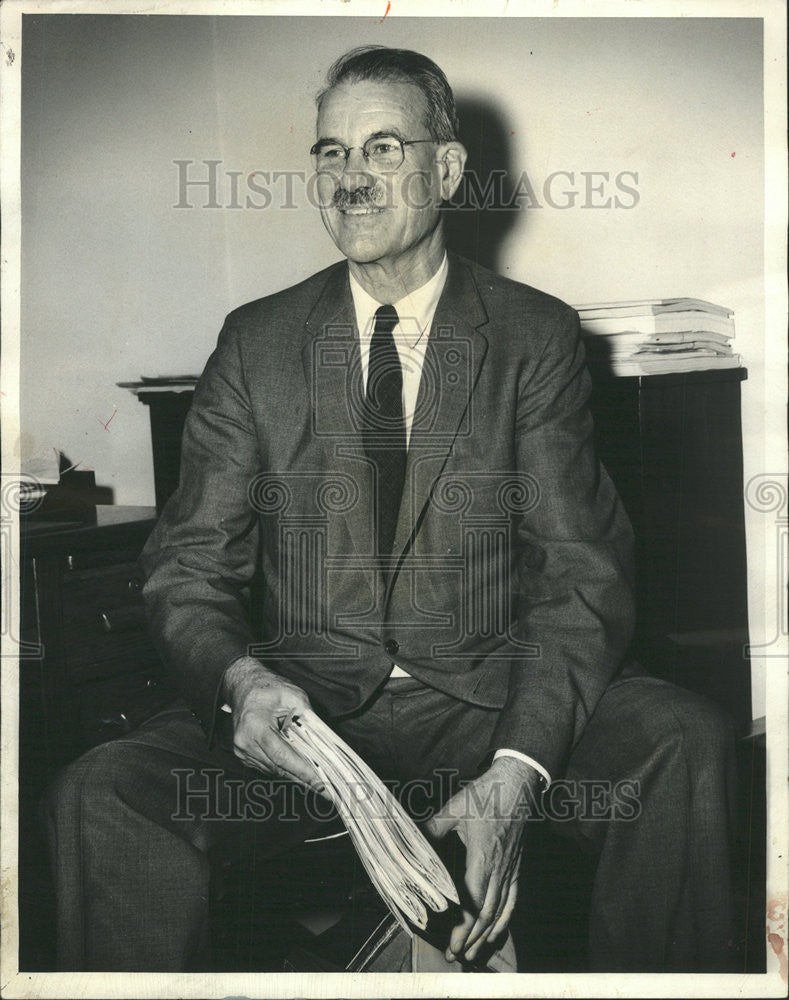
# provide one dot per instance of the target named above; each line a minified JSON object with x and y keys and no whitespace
{"x":377,"y":62}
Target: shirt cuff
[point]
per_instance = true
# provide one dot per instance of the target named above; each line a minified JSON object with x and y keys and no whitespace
{"x":526,"y":760}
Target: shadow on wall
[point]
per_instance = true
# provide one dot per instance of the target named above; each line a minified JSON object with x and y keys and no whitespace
{"x":484,"y":209}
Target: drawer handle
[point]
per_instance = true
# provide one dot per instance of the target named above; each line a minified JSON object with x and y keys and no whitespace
{"x":122,"y":619}
{"x":114,"y":724}
{"x":107,"y":560}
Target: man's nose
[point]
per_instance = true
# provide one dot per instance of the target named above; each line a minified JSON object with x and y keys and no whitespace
{"x":356,"y":171}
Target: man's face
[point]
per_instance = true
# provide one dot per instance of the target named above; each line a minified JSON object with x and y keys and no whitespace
{"x":370,"y":215}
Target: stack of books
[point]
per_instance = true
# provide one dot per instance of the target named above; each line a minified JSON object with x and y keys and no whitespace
{"x":658,"y":336}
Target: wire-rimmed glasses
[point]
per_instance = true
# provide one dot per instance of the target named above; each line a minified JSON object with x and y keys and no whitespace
{"x":383,"y":152}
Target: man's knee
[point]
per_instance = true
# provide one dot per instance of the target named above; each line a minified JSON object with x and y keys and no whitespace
{"x":688,"y":740}
{"x":645,"y":727}
{"x":706,"y":733}
{"x":90,"y":781}
{"x":109,"y":785}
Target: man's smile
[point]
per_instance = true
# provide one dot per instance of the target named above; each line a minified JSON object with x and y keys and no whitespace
{"x":360,"y":210}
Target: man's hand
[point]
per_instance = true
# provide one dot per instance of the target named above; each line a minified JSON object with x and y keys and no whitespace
{"x":260,"y":700}
{"x":489,"y":815}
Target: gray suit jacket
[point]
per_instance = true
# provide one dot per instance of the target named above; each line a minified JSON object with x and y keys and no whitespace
{"x":511,"y":585}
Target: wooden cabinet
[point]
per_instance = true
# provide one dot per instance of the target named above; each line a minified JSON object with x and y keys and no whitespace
{"x":167,"y":412}
{"x":673,"y":446}
{"x":88,"y":673}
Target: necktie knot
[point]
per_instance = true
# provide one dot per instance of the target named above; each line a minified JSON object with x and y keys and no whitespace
{"x":386,"y":319}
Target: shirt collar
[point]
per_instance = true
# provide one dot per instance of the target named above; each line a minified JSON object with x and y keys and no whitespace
{"x":415,"y":310}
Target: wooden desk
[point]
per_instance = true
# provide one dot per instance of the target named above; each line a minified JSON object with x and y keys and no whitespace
{"x":99,"y":673}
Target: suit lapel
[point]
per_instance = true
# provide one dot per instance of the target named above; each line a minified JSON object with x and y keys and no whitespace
{"x":332,"y":368}
{"x":455,"y":354}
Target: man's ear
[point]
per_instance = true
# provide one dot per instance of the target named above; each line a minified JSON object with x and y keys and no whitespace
{"x":452,"y":158}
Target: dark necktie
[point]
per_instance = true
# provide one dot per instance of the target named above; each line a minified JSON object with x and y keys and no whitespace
{"x":383,"y":430}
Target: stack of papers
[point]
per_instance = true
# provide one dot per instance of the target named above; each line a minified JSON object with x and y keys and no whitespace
{"x":401,"y":864}
{"x":658,"y":335}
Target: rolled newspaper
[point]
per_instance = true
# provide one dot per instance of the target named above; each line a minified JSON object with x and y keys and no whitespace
{"x":401,"y":864}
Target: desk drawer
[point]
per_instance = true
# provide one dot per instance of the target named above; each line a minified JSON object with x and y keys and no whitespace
{"x":102,"y":639}
{"x":85,"y":592}
{"x":104,"y":632}
{"x":97,"y":559}
{"x":95,"y":657}
{"x":114,"y":707}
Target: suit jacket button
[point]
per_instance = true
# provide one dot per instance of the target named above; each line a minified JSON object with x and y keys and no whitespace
{"x":392,"y":646}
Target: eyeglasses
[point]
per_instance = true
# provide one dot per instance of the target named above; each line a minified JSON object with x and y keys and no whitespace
{"x":383,"y":152}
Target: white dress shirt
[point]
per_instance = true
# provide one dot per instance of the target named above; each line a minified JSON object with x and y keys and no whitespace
{"x":415,"y":313}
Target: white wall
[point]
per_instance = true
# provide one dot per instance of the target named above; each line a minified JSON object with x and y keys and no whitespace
{"x":118,"y":282}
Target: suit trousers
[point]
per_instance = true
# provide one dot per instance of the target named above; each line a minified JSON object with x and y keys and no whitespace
{"x":648,"y":789}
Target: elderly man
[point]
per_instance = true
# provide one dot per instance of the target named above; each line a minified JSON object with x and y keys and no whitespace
{"x":390,"y":511}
